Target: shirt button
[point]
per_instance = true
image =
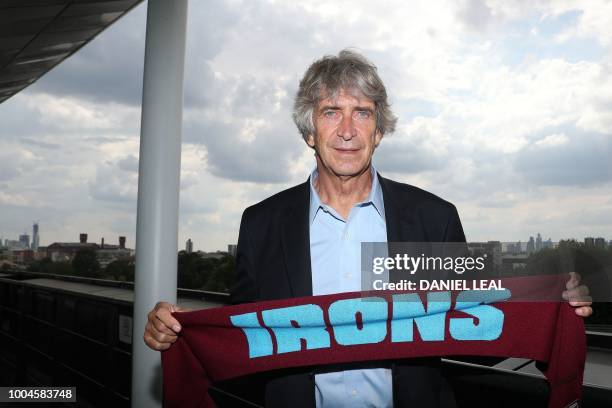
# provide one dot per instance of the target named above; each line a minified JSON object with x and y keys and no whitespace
{"x":348,"y":275}
{"x":354,"y":392}
{"x":345,"y":236}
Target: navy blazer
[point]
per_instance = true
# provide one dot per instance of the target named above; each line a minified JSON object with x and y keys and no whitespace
{"x":273,"y":262}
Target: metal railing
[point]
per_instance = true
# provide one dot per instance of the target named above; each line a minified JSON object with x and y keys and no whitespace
{"x":218,"y":297}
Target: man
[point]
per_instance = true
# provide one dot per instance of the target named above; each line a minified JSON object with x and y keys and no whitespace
{"x":306,"y":240}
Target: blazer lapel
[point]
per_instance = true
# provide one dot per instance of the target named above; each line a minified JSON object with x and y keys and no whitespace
{"x":401,"y":225}
{"x":295,"y":240}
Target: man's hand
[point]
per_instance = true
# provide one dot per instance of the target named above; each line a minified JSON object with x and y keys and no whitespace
{"x":578,"y":296}
{"x":161,"y":329}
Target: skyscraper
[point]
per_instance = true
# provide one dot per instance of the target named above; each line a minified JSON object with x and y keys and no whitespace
{"x":24,"y":241}
{"x":35,"y":237}
{"x":538,"y":243}
{"x":548,"y":244}
{"x":530,"y":246}
{"x":189,"y":246}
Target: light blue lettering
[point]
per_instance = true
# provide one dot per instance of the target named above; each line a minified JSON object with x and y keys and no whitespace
{"x":343,"y":315}
{"x":490,"y":318}
{"x":258,"y":338}
{"x":310,"y":327}
{"x":408,"y":308}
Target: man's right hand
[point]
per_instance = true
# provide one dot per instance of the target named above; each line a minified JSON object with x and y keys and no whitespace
{"x":161,"y":328}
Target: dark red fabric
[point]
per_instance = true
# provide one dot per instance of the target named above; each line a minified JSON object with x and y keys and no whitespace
{"x":210,"y":348}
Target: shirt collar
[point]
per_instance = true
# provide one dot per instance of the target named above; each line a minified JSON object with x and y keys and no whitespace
{"x":375,"y":197}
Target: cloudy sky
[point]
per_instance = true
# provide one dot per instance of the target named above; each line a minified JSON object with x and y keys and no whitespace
{"x":505,"y":110}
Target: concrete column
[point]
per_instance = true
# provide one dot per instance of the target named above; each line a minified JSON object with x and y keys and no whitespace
{"x":158,"y":185}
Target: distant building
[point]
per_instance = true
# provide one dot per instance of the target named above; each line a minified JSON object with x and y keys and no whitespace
{"x":530,"y":246}
{"x":189,"y":246}
{"x":65,"y":251}
{"x":35,"y":237}
{"x":41,"y":253}
{"x":491,"y":250}
{"x":514,"y":248}
{"x":13,"y":244}
{"x":106,"y":253}
{"x":24,"y":241}
{"x":514,"y":261}
{"x":538,"y":242}
{"x":22,"y":256}
{"x":600,"y":243}
{"x":231,"y":249}
{"x":589,"y":242}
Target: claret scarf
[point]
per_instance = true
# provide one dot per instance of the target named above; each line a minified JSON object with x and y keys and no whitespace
{"x":232,"y":341}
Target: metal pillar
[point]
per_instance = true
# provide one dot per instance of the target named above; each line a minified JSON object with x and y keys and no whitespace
{"x":158,"y":185}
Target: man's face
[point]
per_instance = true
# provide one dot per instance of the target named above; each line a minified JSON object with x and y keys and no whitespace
{"x":345,"y":133}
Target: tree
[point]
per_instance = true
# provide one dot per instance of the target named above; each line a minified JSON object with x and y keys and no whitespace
{"x":41,"y":265}
{"x":60,"y":268}
{"x":120,"y":270}
{"x":198,"y":272}
{"x":46,"y":265}
{"x":85,"y":263}
{"x":193,"y":270}
{"x":222,"y":275}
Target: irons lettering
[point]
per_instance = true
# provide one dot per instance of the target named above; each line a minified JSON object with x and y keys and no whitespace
{"x":364,"y":321}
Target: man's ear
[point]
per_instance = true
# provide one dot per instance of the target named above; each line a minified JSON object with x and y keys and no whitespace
{"x":310,"y":141}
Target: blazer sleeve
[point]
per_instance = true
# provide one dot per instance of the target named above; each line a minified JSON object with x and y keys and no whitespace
{"x":245,"y":288}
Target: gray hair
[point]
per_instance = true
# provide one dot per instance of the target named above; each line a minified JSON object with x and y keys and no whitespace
{"x":330,"y":74}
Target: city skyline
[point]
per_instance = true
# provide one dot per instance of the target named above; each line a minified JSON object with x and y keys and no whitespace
{"x":503,"y":110}
{"x":534,"y":243}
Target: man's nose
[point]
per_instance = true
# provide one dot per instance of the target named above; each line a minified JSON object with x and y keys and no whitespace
{"x":346,"y":129}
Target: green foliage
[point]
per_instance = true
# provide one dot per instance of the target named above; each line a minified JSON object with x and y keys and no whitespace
{"x":194,"y":270}
{"x":198,"y":272}
{"x":120,"y":270}
{"x":40,"y":266}
{"x":61,"y":268}
{"x":222,"y":276}
{"x":46,"y":265}
{"x":570,"y":256}
{"x":85,"y":263}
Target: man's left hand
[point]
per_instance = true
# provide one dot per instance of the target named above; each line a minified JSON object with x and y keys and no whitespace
{"x":578,"y":296}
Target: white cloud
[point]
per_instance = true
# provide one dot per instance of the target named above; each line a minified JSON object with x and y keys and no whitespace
{"x":552,"y":141}
{"x":499,"y":113}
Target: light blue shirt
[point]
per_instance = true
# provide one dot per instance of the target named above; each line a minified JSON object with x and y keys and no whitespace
{"x":335,"y":245}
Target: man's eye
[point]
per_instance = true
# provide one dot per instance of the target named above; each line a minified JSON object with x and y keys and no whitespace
{"x":330,"y":114}
{"x":363,"y":114}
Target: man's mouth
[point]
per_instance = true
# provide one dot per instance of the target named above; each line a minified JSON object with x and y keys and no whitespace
{"x":346,"y":150}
